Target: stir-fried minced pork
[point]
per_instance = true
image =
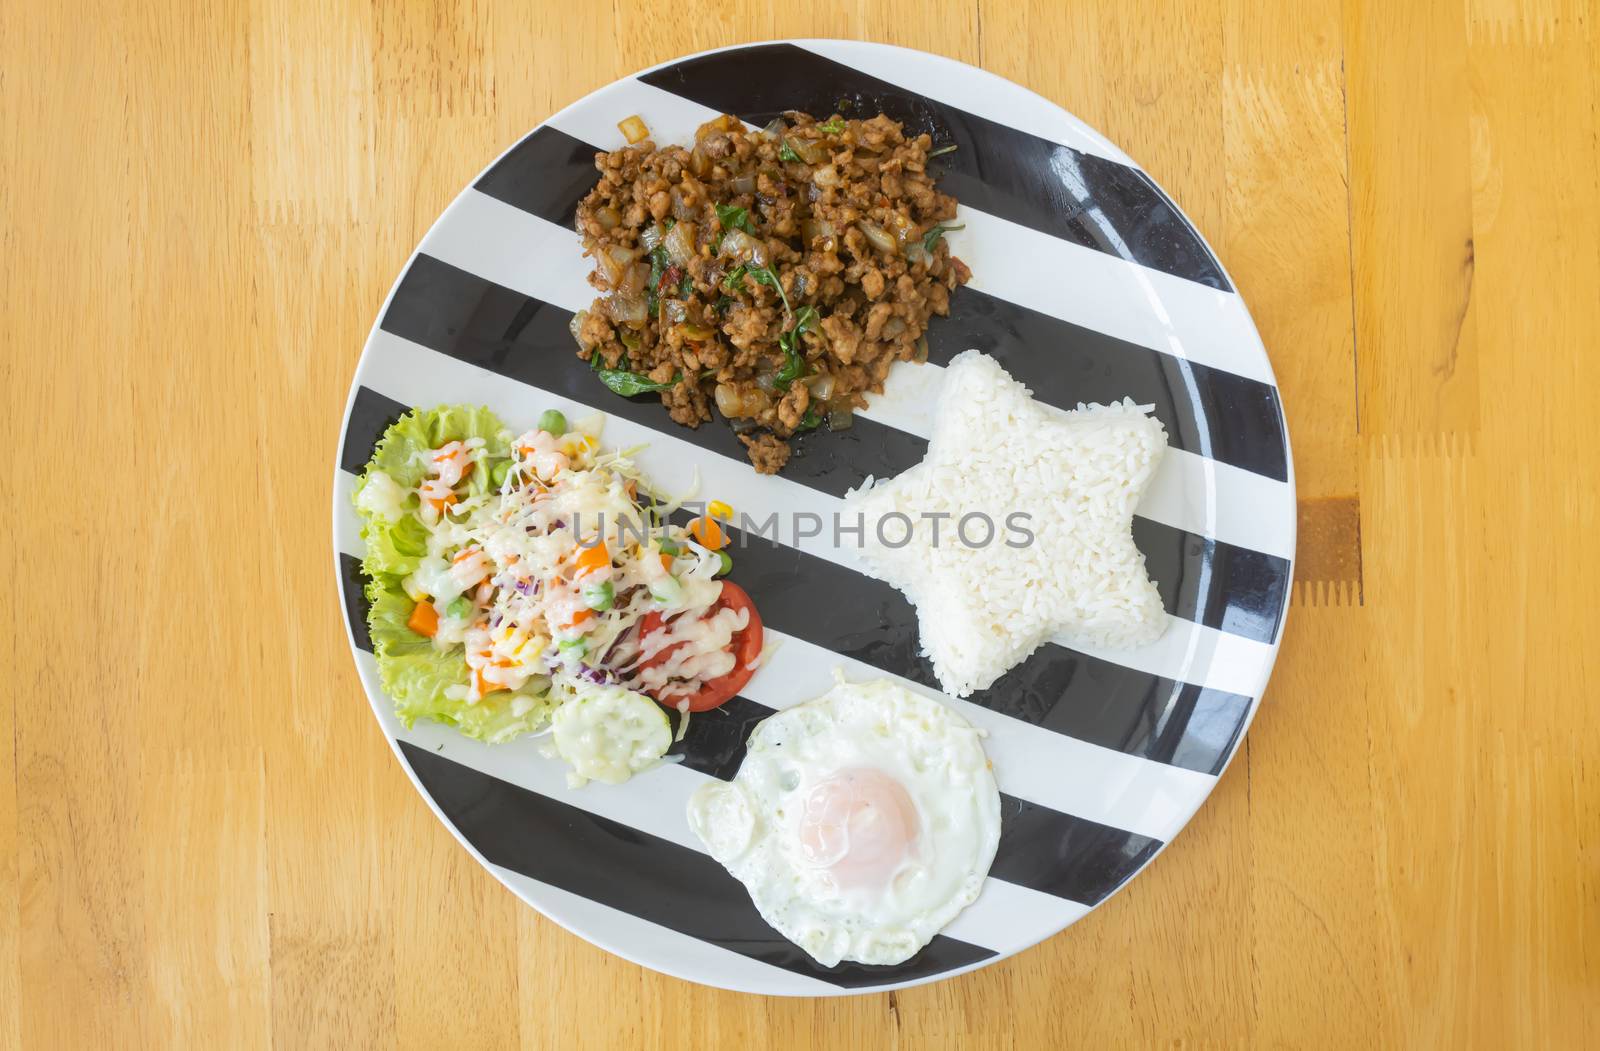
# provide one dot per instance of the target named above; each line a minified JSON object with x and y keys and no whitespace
{"x":776,"y":274}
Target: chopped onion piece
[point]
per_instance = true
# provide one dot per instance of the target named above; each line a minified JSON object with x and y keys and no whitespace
{"x":841,"y":419}
{"x":575,"y":326}
{"x":728,"y":401}
{"x":635,"y":280}
{"x":623,"y":308}
{"x":877,"y":236}
{"x":821,"y":386}
{"x":743,"y":247}
{"x":680,"y":243}
{"x":633,"y":129}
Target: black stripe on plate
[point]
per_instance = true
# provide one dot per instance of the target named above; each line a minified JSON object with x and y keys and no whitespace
{"x":1083,"y":697}
{"x":1055,"y":189}
{"x":474,"y":320}
{"x":1062,"y":363}
{"x":352,"y":582}
{"x":1040,"y":848}
{"x":640,"y":874}
{"x":370,"y":415}
{"x":1208,"y":411}
{"x":547,"y":173}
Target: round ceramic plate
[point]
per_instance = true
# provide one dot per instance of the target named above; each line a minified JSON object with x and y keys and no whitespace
{"x":1088,"y":286}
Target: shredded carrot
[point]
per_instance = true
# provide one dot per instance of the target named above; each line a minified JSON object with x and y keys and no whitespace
{"x":424,"y":619}
{"x":666,"y":562}
{"x":580,"y":615}
{"x":710,"y":535}
{"x":593,"y":559}
{"x":444,"y":502}
{"x":485,"y":687}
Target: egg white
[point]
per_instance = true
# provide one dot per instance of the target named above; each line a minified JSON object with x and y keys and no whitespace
{"x":750,"y":825}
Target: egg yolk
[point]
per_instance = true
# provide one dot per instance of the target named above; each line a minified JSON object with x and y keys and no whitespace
{"x":860,"y":825}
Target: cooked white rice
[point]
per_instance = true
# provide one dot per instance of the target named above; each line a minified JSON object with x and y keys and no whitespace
{"x":1077,"y":475}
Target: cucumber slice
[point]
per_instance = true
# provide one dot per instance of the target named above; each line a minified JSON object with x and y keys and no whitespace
{"x":609,"y":733}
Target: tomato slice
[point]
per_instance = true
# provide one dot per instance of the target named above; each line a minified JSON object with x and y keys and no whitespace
{"x":745,"y":645}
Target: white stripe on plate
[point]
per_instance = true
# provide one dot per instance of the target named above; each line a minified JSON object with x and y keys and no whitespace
{"x":670,"y":118}
{"x":1109,"y":294}
{"x":1001,"y":919}
{"x":681,"y":955}
{"x":416,"y":375}
{"x":346,"y":526}
{"x":530,"y":255}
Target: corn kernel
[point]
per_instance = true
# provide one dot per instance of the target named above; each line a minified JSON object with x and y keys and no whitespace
{"x":718,"y":509}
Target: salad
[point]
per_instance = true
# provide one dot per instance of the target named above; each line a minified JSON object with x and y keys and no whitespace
{"x":533,"y":584}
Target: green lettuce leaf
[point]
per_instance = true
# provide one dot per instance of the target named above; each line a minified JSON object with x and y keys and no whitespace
{"x":413,"y":672}
{"x":402,"y":451}
{"x":394,"y":548}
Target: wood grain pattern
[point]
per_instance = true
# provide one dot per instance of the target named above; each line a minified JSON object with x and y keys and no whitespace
{"x":204,"y":841}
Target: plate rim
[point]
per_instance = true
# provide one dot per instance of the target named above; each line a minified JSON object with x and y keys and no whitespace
{"x":382,"y":707}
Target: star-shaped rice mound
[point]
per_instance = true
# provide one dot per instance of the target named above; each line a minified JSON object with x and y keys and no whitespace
{"x":1060,"y":489}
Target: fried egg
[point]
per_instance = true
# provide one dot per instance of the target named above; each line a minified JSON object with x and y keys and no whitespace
{"x":861,"y":822}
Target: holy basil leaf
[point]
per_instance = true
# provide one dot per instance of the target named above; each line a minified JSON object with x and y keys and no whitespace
{"x":786,"y":153}
{"x":931,"y":238}
{"x":733,"y":218}
{"x":810,"y":421}
{"x":765,"y":276}
{"x":794,"y":365}
{"x":628,"y":383}
{"x":833,"y":127}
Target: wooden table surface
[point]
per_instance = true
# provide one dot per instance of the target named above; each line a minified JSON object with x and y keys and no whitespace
{"x":205,"y":841}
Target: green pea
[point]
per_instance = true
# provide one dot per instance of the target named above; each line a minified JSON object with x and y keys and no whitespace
{"x":551,"y":420}
{"x":727,"y":564}
{"x":600,"y":596}
{"x":460,"y":609}
{"x":498,"y":475}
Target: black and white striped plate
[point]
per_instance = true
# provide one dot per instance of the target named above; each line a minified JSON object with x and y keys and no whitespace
{"x":1088,"y":285}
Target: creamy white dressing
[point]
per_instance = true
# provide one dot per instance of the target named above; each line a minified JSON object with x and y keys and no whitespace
{"x":381,"y":495}
{"x":609,"y":734}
